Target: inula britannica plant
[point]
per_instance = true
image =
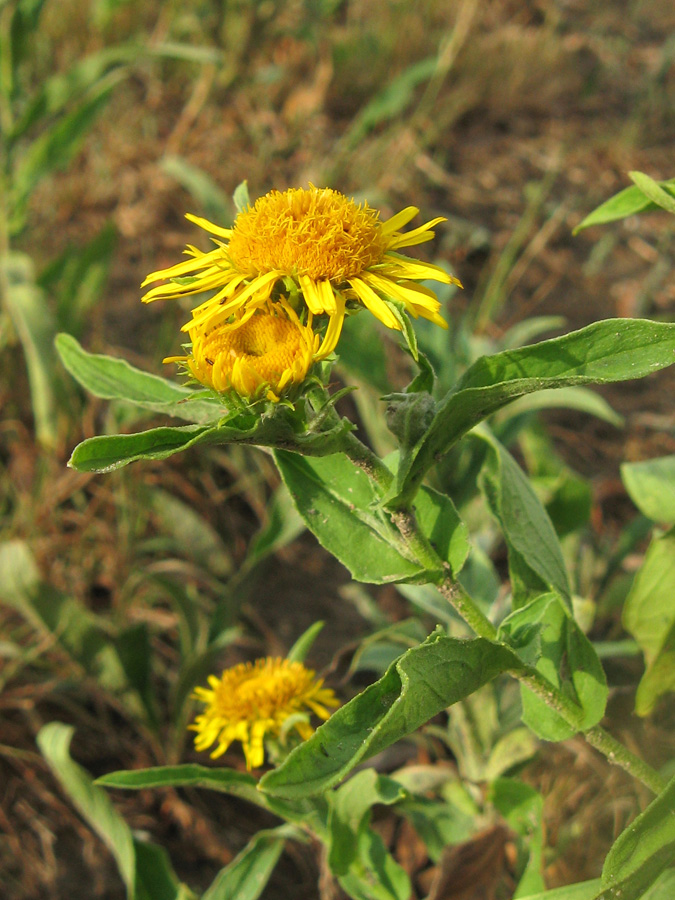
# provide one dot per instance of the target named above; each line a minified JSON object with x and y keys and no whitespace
{"x":269,"y":303}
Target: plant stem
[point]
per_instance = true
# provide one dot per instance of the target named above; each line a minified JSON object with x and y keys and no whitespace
{"x":567,"y":709}
{"x":458,"y":598}
{"x":369,"y":462}
{"x":621,"y":756}
{"x":454,"y":593}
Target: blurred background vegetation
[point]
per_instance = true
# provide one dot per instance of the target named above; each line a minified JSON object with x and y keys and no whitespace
{"x":121,"y":592}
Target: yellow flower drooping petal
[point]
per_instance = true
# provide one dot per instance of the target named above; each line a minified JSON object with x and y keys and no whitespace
{"x":253,"y":700}
{"x":261,"y":352}
{"x":334,"y":250}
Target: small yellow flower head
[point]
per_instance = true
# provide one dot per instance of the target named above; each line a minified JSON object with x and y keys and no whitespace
{"x":334,"y":251}
{"x":266,"y":352}
{"x":252,"y":700}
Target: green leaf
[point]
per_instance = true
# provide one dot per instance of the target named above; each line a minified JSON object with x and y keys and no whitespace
{"x":583,"y":890}
{"x":578,"y":398}
{"x":227,"y":781}
{"x":441,"y":524}
{"x":310,"y":813}
{"x":35,"y":327}
{"x":303,"y":645}
{"x":649,"y":615}
{"x":398,"y":310}
{"x":134,"y":652}
{"x":642,"y":851}
{"x":653,"y":190}
{"x":356,"y":854}
{"x":439,"y":824}
{"x":523,"y":808}
{"x":241,"y":198}
{"x":607,"y":351}
{"x":375,"y":874}
{"x":23,"y":25}
{"x":628,"y":202}
{"x":409,"y":416}
{"x":155,"y":878}
{"x":337,"y":502}
{"x":105,"y":453}
{"x":349,"y":812}
{"x":115,"y":379}
{"x":247,"y":875}
{"x":420,"y":684}
{"x":663,"y":888}
{"x":651,"y":486}
{"x":525,"y":331}
{"x":93,"y":803}
{"x":544,"y":634}
{"x":527,"y":528}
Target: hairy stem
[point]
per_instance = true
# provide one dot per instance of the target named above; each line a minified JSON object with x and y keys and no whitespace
{"x":458,"y":598}
{"x":621,"y":756}
{"x":406,"y":523}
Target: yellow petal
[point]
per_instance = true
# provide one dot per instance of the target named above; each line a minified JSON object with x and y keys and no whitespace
{"x":374,"y":304}
{"x":334,"y":329}
{"x":185,"y":267}
{"x":399,"y":220}
{"x":209,"y":226}
{"x":312,"y":295}
{"x":400,"y":267}
{"x":416,"y":236}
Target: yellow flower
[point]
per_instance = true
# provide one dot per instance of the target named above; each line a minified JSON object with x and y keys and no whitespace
{"x":265,"y":351}
{"x":252,"y":700}
{"x":330,"y":249}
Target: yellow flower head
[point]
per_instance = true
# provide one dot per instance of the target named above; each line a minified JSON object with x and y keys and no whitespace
{"x":266,"y":351}
{"x":333,"y":250}
{"x":252,"y":700}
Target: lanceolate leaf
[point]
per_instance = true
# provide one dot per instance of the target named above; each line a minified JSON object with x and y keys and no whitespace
{"x":339,"y":504}
{"x":421,"y":683}
{"x":337,"y":501}
{"x":34,"y":324}
{"x":607,"y":351}
{"x":654,"y":191}
{"x":246,"y":877}
{"x":105,"y":453}
{"x":545,"y":635}
{"x":350,"y":806}
{"x":642,"y":851}
{"x":582,"y":890}
{"x":115,"y":379}
{"x":649,"y":615}
{"x":94,"y":804}
{"x":311,"y":813}
{"x":525,"y":523}
{"x":628,"y":202}
{"x":651,"y":485}
{"x":228,"y":781}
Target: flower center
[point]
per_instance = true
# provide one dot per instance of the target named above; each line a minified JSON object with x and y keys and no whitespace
{"x":263,"y":690}
{"x":319,"y":233}
{"x":270,"y":344}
